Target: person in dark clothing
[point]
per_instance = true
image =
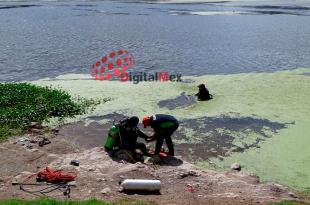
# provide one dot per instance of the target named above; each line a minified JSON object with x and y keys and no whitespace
{"x":203,"y":93}
{"x":125,"y":135}
{"x":129,"y":133}
{"x":164,"y":126}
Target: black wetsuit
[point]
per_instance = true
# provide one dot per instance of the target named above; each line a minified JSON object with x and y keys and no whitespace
{"x":204,"y":94}
{"x":129,"y":137}
{"x":164,"y":126}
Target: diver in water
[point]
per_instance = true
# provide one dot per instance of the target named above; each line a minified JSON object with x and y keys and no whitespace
{"x":203,"y":93}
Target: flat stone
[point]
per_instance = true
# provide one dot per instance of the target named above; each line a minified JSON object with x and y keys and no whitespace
{"x":101,"y":179}
{"x":37,"y":131}
{"x":105,"y":190}
{"x":291,"y":194}
{"x":36,"y":125}
{"x":235,"y":166}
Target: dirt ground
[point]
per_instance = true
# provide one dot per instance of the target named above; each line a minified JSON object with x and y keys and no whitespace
{"x":99,"y":176}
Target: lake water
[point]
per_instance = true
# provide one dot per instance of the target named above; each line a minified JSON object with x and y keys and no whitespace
{"x":49,"y":38}
{"x":264,"y":115}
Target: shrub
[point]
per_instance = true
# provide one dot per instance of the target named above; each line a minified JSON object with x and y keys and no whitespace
{"x":23,"y":103}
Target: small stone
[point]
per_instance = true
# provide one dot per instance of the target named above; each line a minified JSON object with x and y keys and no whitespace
{"x":28,"y":146}
{"x":101,"y":179}
{"x":34,"y":150}
{"x":55,"y":131}
{"x":36,"y":125}
{"x":121,"y":176}
{"x":26,"y":173}
{"x":291,"y":194}
{"x":23,"y":139}
{"x":75,"y":163}
{"x":37,"y":131}
{"x":21,"y":176}
{"x":105,"y":190}
{"x":91,"y":169}
{"x":235,"y":166}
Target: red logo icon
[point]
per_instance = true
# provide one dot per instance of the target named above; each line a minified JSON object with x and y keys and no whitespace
{"x":112,"y":66}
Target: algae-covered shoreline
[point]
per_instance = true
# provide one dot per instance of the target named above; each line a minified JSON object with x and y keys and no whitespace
{"x":280,"y":97}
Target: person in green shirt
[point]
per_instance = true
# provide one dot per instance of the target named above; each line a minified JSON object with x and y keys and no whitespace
{"x":164,"y":126}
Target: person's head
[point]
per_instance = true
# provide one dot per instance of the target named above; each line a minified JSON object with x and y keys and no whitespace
{"x":133,"y":122}
{"x":146,"y":121}
{"x":202,"y":87}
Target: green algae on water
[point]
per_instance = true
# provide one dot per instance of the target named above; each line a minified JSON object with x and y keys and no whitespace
{"x":281,"y":97}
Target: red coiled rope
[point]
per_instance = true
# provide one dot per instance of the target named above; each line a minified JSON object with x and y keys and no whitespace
{"x":56,"y":176}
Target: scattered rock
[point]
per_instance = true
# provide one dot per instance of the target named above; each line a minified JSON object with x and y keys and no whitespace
{"x":235,"y":166}
{"x":36,"y":131}
{"x":52,"y":155}
{"x":36,"y":125}
{"x":91,"y":169}
{"x":105,"y":190}
{"x":140,"y":165}
{"x":55,"y":131}
{"x":101,"y":179}
{"x":28,"y":146}
{"x":189,"y":173}
{"x":277,"y":188}
{"x":75,"y":163}
{"x":26,"y":173}
{"x":291,"y":194}
{"x":21,"y":176}
{"x":23,"y":139}
{"x":34,"y":150}
{"x":44,"y":141}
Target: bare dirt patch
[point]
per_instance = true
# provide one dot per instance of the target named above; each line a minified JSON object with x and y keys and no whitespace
{"x":99,"y":176}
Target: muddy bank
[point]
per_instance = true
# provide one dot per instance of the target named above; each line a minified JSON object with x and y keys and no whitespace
{"x":208,"y":137}
{"x":98,"y":176}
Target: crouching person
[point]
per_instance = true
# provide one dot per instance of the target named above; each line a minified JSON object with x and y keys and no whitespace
{"x":164,"y":126}
{"x":123,"y":143}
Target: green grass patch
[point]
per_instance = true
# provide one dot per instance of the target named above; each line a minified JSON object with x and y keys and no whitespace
{"x":69,"y":202}
{"x":23,"y":103}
